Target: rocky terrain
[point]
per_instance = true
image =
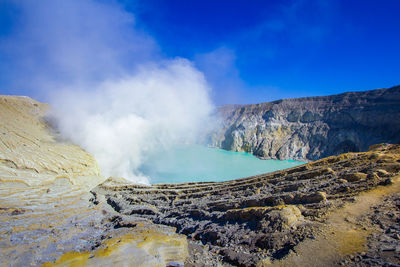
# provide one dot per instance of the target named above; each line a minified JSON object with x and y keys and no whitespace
{"x":57,"y":210}
{"x":262,"y":219}
{"x":313,"y":127}
{"x":384,"y":244}
{"x":45,"y":213}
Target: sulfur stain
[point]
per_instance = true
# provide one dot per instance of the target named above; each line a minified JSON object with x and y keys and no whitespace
{"x":71,"y":259}
{"x":149,"y":240}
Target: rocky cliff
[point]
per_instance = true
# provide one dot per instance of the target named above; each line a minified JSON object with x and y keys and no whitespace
{"x":312,"y":127}
{"x":30,"y":155}
{"x":46,"y":216}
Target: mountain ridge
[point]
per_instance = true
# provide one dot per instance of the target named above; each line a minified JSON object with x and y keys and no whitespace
{"x":311,"y":97}
{"x":310,"y":128}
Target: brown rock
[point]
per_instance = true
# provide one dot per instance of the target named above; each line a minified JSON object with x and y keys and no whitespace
{"x":290,"y":215}
{"x":311,"y":198}
{"x":382,"y":173}
{"x":355,"y":177}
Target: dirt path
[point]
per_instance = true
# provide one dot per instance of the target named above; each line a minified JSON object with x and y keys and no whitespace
{"x":343,"y":234}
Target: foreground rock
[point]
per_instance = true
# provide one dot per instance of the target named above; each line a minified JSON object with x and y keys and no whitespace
{"x":260,"y":219}
{"x":313,"y":127}
{"x":30,"y":155}
{"x":383,"y":246}
{"x":46,"y":215}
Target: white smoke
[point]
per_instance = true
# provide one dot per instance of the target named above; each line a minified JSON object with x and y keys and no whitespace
{"x":111,"y":90}
{"x":123,"y":120}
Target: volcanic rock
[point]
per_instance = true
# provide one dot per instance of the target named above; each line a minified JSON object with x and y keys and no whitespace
{"x":246,"y":221}
{"x":311,"y":128}
{"x":46,"y":210}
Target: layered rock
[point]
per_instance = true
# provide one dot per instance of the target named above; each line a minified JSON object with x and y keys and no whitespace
{"x":311,"y":128}
{"x":46,"y":215}
{"x":256,"y":220}
{"x":30,"y":155}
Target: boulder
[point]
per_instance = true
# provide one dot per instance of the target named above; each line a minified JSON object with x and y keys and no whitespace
{"x":355,"y":177}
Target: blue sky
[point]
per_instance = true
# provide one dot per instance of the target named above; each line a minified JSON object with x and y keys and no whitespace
{"x":250,"y":51}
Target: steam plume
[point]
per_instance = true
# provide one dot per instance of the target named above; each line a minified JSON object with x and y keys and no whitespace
{"x":111,"y":91}
{"x":122,"y":120}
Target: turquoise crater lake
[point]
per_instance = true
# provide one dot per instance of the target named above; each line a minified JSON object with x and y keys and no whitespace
{"x":195,"y":163}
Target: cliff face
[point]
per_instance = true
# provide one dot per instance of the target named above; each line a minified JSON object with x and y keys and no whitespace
{"x":313,"y":127}
{"x":46,"y":213}
{"x":31,"y":156}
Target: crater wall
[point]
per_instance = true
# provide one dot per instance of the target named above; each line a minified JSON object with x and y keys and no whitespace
{"x":311,"y":128}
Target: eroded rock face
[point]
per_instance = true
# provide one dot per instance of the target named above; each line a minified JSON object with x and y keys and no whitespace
{"x":46,"y":212}
{"x":313,"y":127}
{"x":29,"y":153}
{"x":257,"y":219}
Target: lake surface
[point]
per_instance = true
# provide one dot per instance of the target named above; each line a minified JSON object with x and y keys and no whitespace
{"x":195,"y":163}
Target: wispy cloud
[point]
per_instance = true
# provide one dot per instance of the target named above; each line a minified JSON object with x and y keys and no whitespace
{"x":303,"y":24}
{"x":73,"y":41}
{"x":296,"y":22}
{"x":219,"y":68}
